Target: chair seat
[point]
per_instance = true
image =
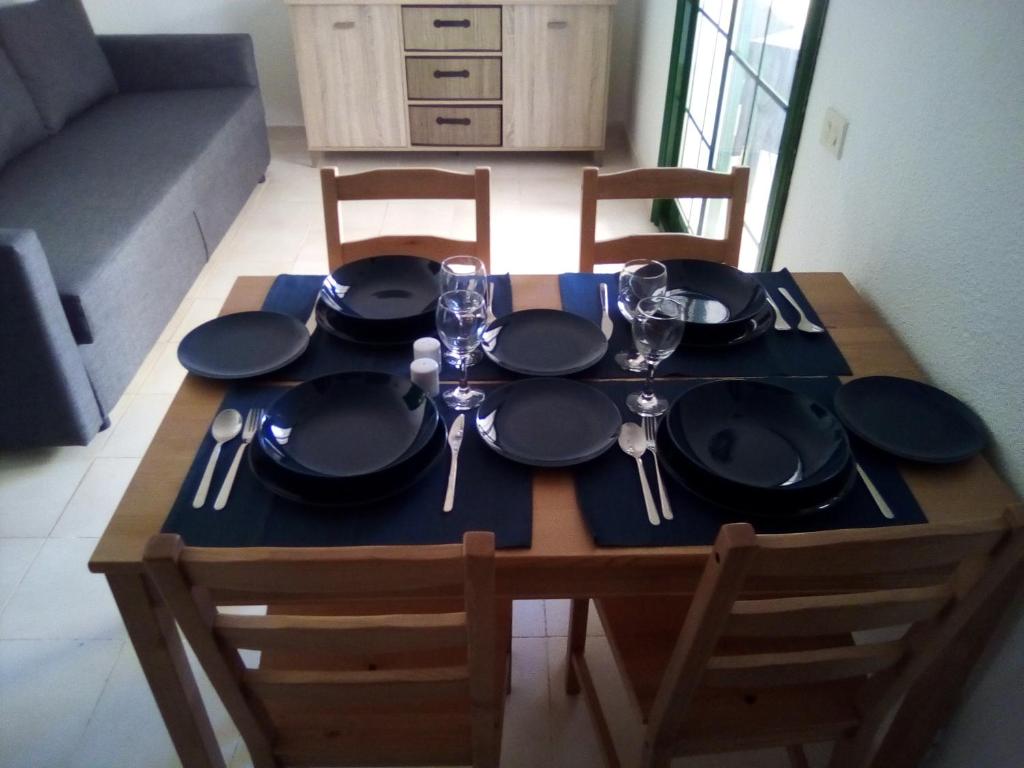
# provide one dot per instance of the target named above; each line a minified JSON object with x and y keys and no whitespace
{"x":643,"y":631}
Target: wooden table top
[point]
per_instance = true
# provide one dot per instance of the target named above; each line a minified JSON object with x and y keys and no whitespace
{"x":563,"y":560}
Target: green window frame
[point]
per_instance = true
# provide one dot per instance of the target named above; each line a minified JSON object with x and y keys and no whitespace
{"x":666,"y":213}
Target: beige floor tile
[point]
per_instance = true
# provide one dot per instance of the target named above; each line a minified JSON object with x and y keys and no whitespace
{"x":16,"y":555}
{"x":199,"y":312}
{"x":175,"y":321}
{"x":528,"y":618}
{"x":556,"y":618}
{"x":96,"y":498}
{"x":131,"y":437}
{"x":574,"y":742}
{"x":526,"y":741}
{"x":34,"y":489}
{"x":359,"y":219}
{"x":58,"y":599}
{"x":167,"y":373}
{"x":49,"y":691}
{"x":419,"y":217}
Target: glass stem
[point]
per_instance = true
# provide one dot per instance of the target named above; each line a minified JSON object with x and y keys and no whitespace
{"x":649,"y":383}
{"x":464,"y":374}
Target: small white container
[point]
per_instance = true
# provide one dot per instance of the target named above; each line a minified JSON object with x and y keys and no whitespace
{"x":429,"y":348}
{"x":426,"y":374}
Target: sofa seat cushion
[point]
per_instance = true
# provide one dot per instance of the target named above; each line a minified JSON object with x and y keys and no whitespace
{"x":20,"y":123}
{"x":54,"y":49}
{"x":87,"y":190}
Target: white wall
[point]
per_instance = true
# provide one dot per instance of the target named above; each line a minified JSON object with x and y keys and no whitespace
{"x":925,"y":215}
{"x":655,"y":23}
{"x":267,"y":22}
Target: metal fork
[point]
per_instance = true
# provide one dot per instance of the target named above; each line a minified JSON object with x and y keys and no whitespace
{"x":252,"y":423}
{"x":651,"y":433}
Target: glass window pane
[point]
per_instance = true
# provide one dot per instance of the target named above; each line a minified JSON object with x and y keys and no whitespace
{"x":782,"y":44}
{"x":737,"y":107}
{"x":750,"y":249}
{"x":689,"y":157}
{"x":718,"y":10}
{"x":762,"y":156}
{"x":748,"y":34}
{"x":714,"y":218}
{"x":708,"y":56}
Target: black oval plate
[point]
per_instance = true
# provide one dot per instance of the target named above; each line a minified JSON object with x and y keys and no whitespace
{"x":740,"y":294}
{"x":910,"y":420}
{"x":548,"y":422}
{"x":758,"y":435}
{"x":544,"y":342}
{"x":348,"y":425}
{"x":243,"y":345}
{"x":384,"y":288}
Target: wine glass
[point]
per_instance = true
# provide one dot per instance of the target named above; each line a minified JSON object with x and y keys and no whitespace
{"x":658,"y":323}
{"x":638,"y":280}
{"x":461,"y":319}
{"x":464,"y":273}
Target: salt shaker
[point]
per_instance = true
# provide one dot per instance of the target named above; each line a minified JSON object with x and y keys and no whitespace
{"x":427,"y":347}
{"x":426,"y":374}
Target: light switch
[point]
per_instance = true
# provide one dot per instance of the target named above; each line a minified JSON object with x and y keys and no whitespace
{"x":833,"y":132}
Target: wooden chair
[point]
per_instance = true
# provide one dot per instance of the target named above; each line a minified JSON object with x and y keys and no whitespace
{"x":406,"y":184}
{"x":654,"y":184}
{"x":737,"y":669}
{"x":408,"y":688}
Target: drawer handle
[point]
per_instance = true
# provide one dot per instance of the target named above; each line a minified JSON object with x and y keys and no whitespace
{"x":558,"y":24}
{"x":344,"y":24}
{"x":451,"y":23}
{"x":439,"y":73}
{"x":454,"y":121}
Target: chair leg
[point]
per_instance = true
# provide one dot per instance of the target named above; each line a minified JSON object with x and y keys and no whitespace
{"x":576,"y":643}
{"x":581,"y":673}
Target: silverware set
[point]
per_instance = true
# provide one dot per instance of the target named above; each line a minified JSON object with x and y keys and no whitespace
{"x":226,"y":427}
{"x":635,"y":440}
{"x":781,"y":324}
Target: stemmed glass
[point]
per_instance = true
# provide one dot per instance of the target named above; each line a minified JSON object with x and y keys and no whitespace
{"x":461,"y":319}
{"x":464,"y":273}
{"x":658,"y":323}
{"x":638,"y":280}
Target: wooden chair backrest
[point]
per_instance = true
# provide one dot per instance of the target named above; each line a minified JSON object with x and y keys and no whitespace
{"x":927,"y":578}
{"x":281,"y":706}
{"x":654,"y":184}
{"x":406,"y":184}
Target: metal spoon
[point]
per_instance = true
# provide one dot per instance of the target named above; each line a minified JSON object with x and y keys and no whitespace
{"x":633,"y":441}
{"x":225,"y":427}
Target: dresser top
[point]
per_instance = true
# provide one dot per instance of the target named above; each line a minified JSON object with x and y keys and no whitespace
{"x":450,"y":2}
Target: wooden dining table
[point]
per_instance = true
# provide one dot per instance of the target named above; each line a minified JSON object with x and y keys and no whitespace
{"x":562,"y":561}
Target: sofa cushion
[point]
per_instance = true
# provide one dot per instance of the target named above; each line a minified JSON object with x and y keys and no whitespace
{"x":89,"y":189}
{"x":20,"y":123}
{"x":53,"y":48}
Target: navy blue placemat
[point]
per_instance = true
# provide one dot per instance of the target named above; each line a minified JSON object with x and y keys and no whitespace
{"x":295,"y":294}
{"x":776,"y":353}
{"x":608,"y":489}
{"x":492,"y":494}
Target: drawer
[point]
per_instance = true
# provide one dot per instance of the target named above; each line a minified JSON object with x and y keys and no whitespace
{"x":455,"y":126}
{"x":430,"y":77}
{"x":452,"y":27}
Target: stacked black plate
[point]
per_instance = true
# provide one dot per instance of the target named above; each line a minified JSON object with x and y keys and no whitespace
{"x":348,"y":439}
{"x":382,"y":300}
{"x":724,"y":305}
{"x":758,"y":449}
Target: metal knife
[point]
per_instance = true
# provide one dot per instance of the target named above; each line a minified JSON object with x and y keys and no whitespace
{"x":883,"y":506}
{"x":455,"y":443}
{"x":606,"y":320}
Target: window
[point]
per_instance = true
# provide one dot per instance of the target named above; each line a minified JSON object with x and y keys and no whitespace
{"x":736,"y":97}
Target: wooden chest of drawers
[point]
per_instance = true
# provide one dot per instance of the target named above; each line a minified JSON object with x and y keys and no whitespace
{"x":380,"y":74}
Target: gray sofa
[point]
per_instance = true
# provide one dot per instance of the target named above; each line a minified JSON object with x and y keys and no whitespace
{"x":123,"y":161}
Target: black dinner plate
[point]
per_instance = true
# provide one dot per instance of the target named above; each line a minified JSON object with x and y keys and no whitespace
{"x":544,"y":342}
{"x":746,"y":503}
{"x":348,"y":425}
{"x":548,"y":422}
{"x":910,"y":420}
{"x":720,"y":298}
{"x":737,"y":333}
{"x":759,"y":436}
{"x":347,"y":492}
{"x":243,"y":345}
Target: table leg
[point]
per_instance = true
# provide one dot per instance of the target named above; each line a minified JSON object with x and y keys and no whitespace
{"x":154,"y":634}
{"x":576,"y":642}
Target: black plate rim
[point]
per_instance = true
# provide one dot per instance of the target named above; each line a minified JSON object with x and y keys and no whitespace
{"x":528,"y":461}
{"x":363,"y":262}
{"x":762,"y":324}
{"x":297,"y":325}
{"x":584,"y":322}
{"x":323,"y":321}
{"x":972,"y":419}
{"x":751,"y":310}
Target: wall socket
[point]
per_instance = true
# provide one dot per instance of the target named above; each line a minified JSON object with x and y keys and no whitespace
{"x":833,"y":132}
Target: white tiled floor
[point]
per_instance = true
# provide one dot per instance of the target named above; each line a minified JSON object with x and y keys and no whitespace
{"x":71,"y":691}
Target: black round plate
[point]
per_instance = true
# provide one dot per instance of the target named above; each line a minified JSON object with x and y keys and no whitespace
{"x":347,"y":492}
{"x":385,"y":288}
{"x":544,"y":342}
{"x":548,"y":422}
{"x":721,"y":296}
{"x":376,"y":333}
{"x":752,"y":504}
{"x":758,"y":436}
{"x":348,"y":425}
{"x":910,"y":420}
{"x":243,"y":345}
{"x":738,"y":333}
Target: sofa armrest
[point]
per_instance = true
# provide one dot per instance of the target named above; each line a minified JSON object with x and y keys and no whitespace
{"x":45,"y":394}
{"x":174,"y":62}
